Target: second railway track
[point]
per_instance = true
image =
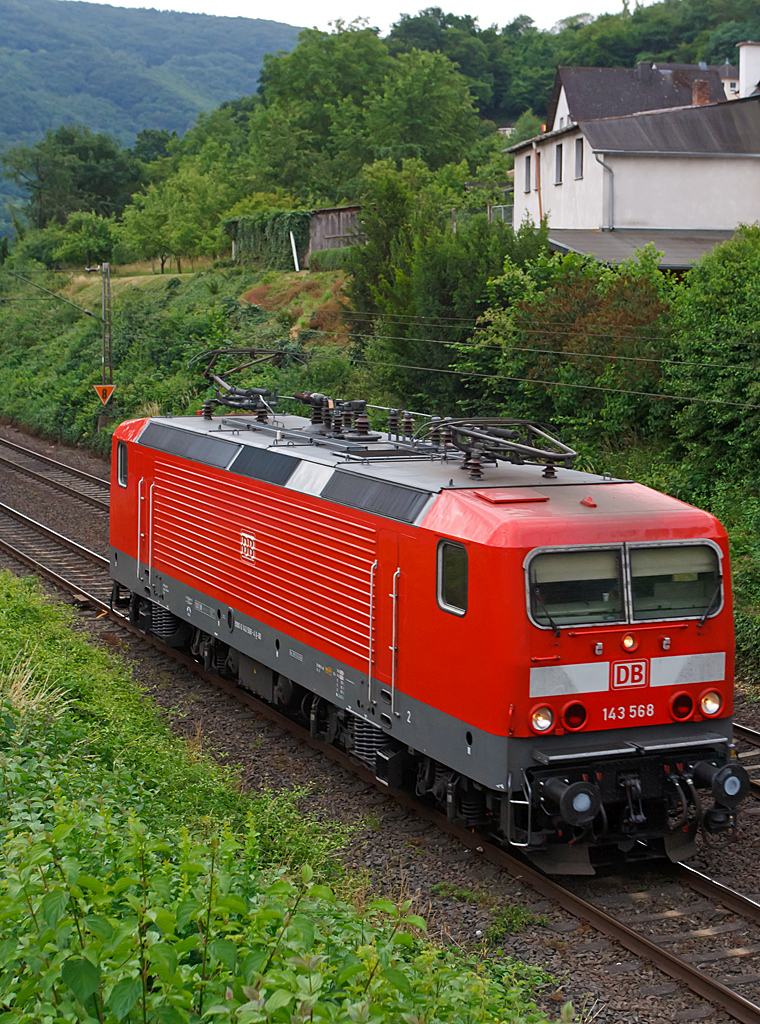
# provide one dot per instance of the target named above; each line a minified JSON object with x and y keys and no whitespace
{"x":732,"y":960}
{"x":64,"y":562}
{"x":88,"y":488}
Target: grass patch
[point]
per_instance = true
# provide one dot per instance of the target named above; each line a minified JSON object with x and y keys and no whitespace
{"x":108,"y":715}
{"x":312,"y":302}
{"x":505,"y":920}
{"x":511,"y":920}
{"x":139,"y":883}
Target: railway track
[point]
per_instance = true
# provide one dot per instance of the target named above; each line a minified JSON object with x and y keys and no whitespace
{"x":69,"y":565}
{"x":75,"y":482}
{"x":749,"y":753}
{"x":689,"y":932}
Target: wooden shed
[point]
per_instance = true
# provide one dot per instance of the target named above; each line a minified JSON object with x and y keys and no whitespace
{"x":333,"y":228}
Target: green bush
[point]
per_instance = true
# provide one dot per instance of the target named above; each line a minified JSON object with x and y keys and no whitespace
{"x":104,"y":920}
{"x":37,"y":247}
{"x":330,"y":259}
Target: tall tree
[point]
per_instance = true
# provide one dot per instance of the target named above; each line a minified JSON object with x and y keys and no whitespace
{"x":73,"y":169}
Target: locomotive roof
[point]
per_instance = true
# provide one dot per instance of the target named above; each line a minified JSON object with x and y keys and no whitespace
{"x":381,"y":477}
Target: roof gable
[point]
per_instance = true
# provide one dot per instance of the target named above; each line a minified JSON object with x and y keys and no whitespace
{"x":613,"y":92}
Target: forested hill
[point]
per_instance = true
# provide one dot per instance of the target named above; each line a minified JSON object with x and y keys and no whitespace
{"x":119,"y":70}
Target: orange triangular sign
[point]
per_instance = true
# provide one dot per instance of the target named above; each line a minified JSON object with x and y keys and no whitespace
{"x":104,"y":391}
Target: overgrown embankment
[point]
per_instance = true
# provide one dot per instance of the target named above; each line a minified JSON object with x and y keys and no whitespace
{"x":50,"y":352}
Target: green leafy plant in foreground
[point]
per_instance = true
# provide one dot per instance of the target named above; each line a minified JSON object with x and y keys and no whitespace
{"x":124,"y":896}
{"x":104,"y":920}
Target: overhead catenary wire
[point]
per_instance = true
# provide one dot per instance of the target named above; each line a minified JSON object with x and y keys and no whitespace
{"x":559,"y":384}
{"x":476,"y":346}
{"x":550,"y":329}
{"x":514,"y":379}
{"x":55,"y":295}
{"x":412,"y":320}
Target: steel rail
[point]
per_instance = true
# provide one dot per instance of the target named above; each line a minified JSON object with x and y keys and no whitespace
{"x":78,"y":549}
{"x":716,"y":891}
{"x":714,"y":991}
{"x":100,"y":481}
{"x":103,"y":506}
{"x":752,"y":736}
{"x":744,"y":732}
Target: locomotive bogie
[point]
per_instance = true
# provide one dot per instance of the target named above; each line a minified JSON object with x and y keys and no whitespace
{"x":547,"y":656}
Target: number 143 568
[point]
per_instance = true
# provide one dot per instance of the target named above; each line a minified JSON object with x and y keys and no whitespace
{"x":619,"y":713}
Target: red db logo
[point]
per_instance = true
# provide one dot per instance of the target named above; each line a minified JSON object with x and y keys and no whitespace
{"x":629,"y":674}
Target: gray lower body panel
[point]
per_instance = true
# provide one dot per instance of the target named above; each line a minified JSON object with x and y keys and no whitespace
{"x":488,"y":759}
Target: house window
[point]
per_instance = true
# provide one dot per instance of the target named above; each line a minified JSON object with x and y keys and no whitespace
{"x":452,"y":577}
{"x":527,"y":174}
{"x":537,"y":182}
{"x":558,"y":165}
{"x":579,"y":158}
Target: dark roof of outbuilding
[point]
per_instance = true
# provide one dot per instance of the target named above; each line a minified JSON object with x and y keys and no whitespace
{"x":612,"y":92}
{"x":680,"y":249}
{"x":726,"y":128}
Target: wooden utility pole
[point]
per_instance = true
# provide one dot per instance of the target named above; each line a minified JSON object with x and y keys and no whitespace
{"x":107,"y":340}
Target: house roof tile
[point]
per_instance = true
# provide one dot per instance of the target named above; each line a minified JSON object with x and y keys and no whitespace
{"x":715,"y":128}
{"x":612,"y":92}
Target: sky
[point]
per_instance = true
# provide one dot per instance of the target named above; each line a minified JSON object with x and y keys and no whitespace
{"x":381,"y":13}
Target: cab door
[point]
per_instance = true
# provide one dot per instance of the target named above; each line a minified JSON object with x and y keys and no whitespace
{"x":387,"y":606}
{"x":145,"y":500}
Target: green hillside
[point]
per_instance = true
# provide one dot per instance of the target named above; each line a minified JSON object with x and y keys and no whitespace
{"x":120,"y":71}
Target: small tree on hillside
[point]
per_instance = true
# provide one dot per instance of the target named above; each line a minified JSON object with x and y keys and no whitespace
{"x":88,"y":238}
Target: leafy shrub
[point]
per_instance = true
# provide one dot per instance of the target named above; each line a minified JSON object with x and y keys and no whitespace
{"x":330,"y":259}
{"x":38,"y":247}
{"x":104,"y":920}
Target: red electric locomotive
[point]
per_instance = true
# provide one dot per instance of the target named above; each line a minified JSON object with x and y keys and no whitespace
{"x":548,"y":654}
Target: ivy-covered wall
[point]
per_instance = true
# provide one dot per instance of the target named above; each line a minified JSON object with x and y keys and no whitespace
{"x":264,"y":237}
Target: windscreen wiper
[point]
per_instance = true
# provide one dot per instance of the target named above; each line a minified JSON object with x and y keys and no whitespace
{"x":552,"y":623}
{"x":708,"y":609}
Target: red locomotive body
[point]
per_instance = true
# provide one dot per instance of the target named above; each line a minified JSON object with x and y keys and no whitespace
{"x":546,"y":653}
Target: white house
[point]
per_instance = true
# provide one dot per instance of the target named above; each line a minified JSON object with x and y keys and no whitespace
{"x":682,"y":178}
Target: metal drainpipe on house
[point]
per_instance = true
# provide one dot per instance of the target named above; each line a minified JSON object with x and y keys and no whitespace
{"x":612,"y":191}
{"x":538,"y":182}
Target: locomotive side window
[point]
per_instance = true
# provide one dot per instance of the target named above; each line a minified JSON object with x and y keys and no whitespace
{"x":568,"y":587}
{"x":670,"y":582}
{"x":452,"y":577}
{"x":121,"y":464}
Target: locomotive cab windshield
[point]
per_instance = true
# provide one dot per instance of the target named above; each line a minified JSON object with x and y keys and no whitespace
{"x":626,"y":584}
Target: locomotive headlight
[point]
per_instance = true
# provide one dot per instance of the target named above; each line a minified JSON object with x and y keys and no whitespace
{"x":711,"y":703}
{"x":629,"y":642}
{"x":542,"y":719}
